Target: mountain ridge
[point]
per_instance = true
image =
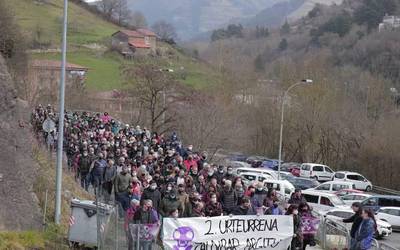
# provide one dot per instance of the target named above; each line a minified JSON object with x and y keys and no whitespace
{"x":193,"y":17}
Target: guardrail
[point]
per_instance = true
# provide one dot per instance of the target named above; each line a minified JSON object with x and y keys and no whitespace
{"x":383,"y":190}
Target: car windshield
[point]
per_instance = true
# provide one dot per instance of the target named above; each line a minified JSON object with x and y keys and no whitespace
{"x":337,"y":201}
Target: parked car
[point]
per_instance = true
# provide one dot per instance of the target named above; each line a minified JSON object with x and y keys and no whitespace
{"x":238,"y":164}
{"x":251,"y":178}
{"x":287,"y":176}
{"x":304,"y":183}
{"x":359,"y":181}
{"x":375,"y":202}
{"x":271,"y":163}
{"x":344,"y":192}
{"x":351,"y":198}
{"x":391,"y":215}
{"x":316,"y":171}
{"x":291,"y":167}
{"x":383,"y":228}
{"x":256,"y":161}
{"x":283,"y":187}
{"x":323,"y":201}
{"x":237,"y":157}
{"x":333,"y":186}
{"x":269,"y":172}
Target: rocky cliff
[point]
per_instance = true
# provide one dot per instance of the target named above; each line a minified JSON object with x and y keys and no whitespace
{"x":19,"y":208}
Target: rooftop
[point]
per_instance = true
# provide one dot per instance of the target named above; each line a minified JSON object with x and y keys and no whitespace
{"x":139,"y":44}
{"x":137,"y":33}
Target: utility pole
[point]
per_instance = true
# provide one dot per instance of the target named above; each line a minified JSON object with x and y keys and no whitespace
{"x":61,"y":117}
{"x":305,"y":81}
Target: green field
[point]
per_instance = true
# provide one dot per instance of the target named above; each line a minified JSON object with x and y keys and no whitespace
{"x":44,"y":21}
{"x":104,"y":69}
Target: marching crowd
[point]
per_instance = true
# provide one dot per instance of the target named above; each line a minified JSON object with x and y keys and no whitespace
{"x":154,"y":176}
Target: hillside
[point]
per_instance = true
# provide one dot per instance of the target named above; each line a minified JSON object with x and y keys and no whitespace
{"x":308,"y":5}
{"x":194,"y":17}
{"x":43,"y":22}
{"x":347,"y":118}
{"x":88,"y":45}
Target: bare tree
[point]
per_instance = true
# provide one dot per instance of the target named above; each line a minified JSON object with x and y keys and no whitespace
{"x":156,"y":92}
{"x":109,"y":7}
{"x":165,"y":31}
{"x":137,"y":20}
{"x":122,"y":13}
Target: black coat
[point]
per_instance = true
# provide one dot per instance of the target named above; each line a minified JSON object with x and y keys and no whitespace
{"x":356,"y":219}
{"x":154,"y":195}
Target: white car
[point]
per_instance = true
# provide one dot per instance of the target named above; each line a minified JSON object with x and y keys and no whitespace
{"x":237,"y":164}
{"x":252,"y":178}
{"x":351,"y":198}
{"x":359,"y":181}
{"x":333,"y":186}
{"x":283,"y":187}
{"x":390,"y":214}
{"x":323,"y":201}
{"x":268,"y":172}
{"x":383,"y":228}
{"x":316,"y":171}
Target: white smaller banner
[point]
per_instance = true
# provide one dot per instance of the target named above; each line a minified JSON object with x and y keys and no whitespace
{"x":228,"y":232}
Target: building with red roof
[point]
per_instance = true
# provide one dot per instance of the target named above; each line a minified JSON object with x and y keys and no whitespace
{"x":44,"y":76}
{"x":134,"y":42}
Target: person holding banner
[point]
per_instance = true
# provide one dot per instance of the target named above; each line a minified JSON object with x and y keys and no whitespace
{"x":146,"y":214}
{"x":228,"y":198}
{"x":274,"y":209}
{"x":309,"y":225}
{"x":170,"y":203}
{"x":297,"y":241}
{"x":245,"y":208}
{"x":213,"y":208}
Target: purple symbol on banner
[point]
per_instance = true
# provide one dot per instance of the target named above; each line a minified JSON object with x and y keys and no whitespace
{"x":310,"y":225}
{"x":183,"y":237}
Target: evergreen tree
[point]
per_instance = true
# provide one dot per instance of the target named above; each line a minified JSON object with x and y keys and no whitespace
{"x":283,"y":45}
{"x":285,"y":29}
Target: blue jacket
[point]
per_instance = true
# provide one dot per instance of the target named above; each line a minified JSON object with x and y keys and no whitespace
{"x":365,"y":234}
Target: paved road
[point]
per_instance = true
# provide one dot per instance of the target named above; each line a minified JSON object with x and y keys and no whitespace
{"x":393,"y":240}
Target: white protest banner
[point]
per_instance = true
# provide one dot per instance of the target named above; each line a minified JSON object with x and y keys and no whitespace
{"x":228,"y":232}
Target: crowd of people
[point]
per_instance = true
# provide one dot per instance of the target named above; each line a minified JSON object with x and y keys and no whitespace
{"x":153,"y":176}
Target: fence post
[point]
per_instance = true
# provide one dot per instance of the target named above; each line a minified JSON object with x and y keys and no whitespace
{"x":324,"y":234}
{"x":116,"y":227}
{"x":45,"y":208}
{"x":138,"y":237}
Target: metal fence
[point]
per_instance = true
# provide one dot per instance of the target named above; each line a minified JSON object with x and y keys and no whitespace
{"x":117,"y":234}
{"x":332,"y":235}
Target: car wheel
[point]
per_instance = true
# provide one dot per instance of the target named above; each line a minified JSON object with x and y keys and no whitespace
{"x":368,"y":189}
{"x":378,"y":236}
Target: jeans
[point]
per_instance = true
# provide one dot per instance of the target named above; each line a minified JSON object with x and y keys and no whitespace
{"x":107,"y":186}
{"x":353,"y":244}
{"x":96,"y":182}
{"x":124,"y":199}
{"x":85,"y":181}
